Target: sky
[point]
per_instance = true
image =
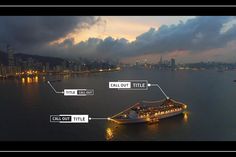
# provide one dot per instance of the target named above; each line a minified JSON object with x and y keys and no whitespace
{"x":124,"y":38}
{"x":128,"y":27}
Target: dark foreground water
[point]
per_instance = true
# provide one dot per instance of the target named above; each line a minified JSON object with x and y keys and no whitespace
{"x":25,"y":107}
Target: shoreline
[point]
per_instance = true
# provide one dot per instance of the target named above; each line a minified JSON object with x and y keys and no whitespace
{"x":52,"y":73}
{"x":9,"y":77}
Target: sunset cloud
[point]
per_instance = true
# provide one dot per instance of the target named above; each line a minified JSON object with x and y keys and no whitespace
{"x":124,"y":38}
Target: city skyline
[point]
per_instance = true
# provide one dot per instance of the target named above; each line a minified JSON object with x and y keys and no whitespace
{"x":187,"y":39}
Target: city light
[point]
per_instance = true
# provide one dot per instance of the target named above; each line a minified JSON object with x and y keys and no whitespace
{"x":27,"y":73}
{"x":31,"y":72}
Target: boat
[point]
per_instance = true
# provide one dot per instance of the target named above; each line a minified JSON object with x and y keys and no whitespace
{"x":149,"y":111}
{"x":234,"y":80}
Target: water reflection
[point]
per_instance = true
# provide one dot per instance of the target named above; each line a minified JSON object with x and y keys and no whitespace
{"x":66,"y":77}
{"x":109,"y":134}
{"x":186,"y":115}
{"x":30,"y":91}
{"x":113,"y":130}
{"x":30,"y":80}
{"x":152,"y":127}
{"x":36,"y":79}
{"x":23,"y":80}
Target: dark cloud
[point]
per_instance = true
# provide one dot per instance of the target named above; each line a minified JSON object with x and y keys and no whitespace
{"x":95,"y":47}
{"x":24,"y":32}
{"x":195,"y":35}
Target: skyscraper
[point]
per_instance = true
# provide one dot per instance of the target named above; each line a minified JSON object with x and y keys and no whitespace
{"x":172,"y":64}
{"x":10,"y":56}
{"x":11,"y":61}
{"x":160,"y":62}
{"x":1,"y":70}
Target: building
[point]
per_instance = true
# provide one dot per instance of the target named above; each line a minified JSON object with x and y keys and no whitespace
{"x":3,"y":70}
{"x":160,"y":62}
{"x":30,"y":63}
{"x":172,"y":64}
{"x":58,"y":68}
{"x":10,"y":52}
{"x":11,"y":61}
{"x":47,"y":67}
{"x":64,"y":65}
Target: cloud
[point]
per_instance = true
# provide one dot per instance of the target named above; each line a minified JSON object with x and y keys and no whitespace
{"x":24,"y":32}
{"x":194,"y":36}
{"x":95,"y":47}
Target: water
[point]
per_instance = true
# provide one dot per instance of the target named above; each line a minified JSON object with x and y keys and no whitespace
{"x":25,"y":107}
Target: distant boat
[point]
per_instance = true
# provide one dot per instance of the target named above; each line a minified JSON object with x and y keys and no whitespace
{"x":234,"y":80}
{"x":149,"y":112}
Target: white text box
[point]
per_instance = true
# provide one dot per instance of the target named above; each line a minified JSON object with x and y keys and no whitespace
{"x":123,"y":85}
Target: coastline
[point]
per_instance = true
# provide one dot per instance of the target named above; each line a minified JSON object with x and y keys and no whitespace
{"x":59,"y":73}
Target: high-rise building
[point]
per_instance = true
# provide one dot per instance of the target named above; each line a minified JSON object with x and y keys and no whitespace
{"x":172,"y":64}
{"x":1,"y":70}
{"x":64,"y":65}
{"x":11,"y":61}
{"x":10,"y":53}
{"x":145,"y":61}
{"x":160,"y":62}
{"x":47,"y":67}
{"x":58,"y":68}
{"x":30,"y":62}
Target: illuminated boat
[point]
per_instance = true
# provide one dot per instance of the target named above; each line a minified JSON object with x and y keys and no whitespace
{"x":149,"y":111}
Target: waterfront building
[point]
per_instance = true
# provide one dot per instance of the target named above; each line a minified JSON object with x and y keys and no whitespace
{"x":172,"y":64}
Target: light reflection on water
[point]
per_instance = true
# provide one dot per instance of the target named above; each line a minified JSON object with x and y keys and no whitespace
{"x":109,"y":134}
{"x":30,"y":80}
{"x":186,"y":117}
{"x":115,"y":131}
{"x":208,"y":95}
